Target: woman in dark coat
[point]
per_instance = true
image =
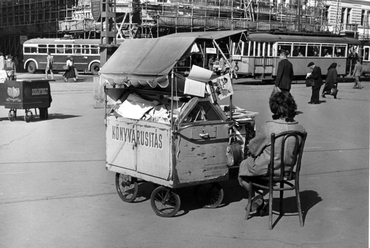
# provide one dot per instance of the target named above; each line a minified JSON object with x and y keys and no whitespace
{"x":331,"y":82}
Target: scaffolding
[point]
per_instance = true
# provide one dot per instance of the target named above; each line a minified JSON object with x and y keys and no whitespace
{"x":24,"y":19}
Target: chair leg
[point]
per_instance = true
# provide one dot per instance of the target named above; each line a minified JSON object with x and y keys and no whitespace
{"x":299,"y":205}
{"x":249,"y":205}
{"x":271,"y":197}
{"x":281,"y":210}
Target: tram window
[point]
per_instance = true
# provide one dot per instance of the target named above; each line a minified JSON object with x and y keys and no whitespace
{"x":77,"y":48}
{"x":94,"y":49}
{"x":251,"y":51}
{"x":286,"y":47}
{"x":69,"y":49}
{"x":43,"y":49}
{"x":313,"y":50}
{"x":60,"y":49}
{"x":327,"y":50}
{"x":340,"y":51}
{"x":246,"y":46}
{"x":367,"y":54}
{"x":51,"y":49}
{"x":299,"y":50}
{"x":238,"y":48}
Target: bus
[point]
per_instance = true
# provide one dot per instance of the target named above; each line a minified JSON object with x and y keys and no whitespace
{"x":258,"y":56}
{"x":85,"y":54}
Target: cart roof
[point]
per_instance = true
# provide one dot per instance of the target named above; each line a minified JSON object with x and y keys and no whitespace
{"x":146,"y":61}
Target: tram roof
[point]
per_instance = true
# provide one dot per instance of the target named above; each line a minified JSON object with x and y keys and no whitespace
{"x":212,"y":35}
{"x":265,"y":37}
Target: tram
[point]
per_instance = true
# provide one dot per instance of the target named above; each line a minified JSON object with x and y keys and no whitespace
{"x":365,"y":57}
{"x":258,"y":56}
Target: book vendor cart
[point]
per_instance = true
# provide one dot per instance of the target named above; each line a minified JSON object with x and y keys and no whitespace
{"x":26,"y":94}
{"x":164,"y":124}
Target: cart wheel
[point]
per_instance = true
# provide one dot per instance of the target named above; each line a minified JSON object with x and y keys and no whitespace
{"x":165,"y":202}
{"x":28,"y":116}
{"x":209,"y":195}
{"x":127,"y":187}
{"x":12,"y":114}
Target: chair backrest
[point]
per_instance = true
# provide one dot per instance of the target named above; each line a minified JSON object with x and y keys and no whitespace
{"x":291,"y":150}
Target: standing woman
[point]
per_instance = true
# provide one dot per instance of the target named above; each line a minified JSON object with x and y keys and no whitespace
{"x":69,"y":70}
{"x":331,"y":82}
{"x":317,"y":78}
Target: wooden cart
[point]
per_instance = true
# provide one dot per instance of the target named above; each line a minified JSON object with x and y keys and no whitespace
{"x":187,"y":144}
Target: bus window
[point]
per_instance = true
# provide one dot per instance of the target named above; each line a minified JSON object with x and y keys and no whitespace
{"x":340,"y":51}
{"x":30,"y":49}
{"x":43,"y":49}
{"x":60,"y":49}
{"x":94,"y":49}
{"x":327,"y":50}
{"x":51,"y":49}
{"x":85,"y":49}
{"x":77,"y":49}
{"x":68,"y":49}
{"x":313,"y":50}
{"x":299,"y":50}
{"x":285,"y":46}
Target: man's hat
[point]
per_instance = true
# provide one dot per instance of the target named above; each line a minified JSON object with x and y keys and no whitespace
{"x":311,"y":63}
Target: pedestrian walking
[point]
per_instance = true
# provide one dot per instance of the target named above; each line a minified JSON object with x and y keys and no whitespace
{"x":49,"y":66}
{"x":317,"y":78}
{"x":10,"y":67}
{"x":285,"y":74}
{"x":357,"y":72}
{"x":331,"y":82}
{"x":69,"y":70}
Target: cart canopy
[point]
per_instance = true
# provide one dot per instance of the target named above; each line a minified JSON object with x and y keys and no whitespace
{"x":141,"y":62}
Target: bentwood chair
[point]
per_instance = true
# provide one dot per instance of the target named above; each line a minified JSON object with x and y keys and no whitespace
{"x":285,"y":178}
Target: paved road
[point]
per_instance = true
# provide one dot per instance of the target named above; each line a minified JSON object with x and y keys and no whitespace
{"x":55,"y":191}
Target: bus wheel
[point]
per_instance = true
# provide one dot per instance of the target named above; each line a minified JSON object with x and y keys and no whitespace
{"x":31,"y":67}
{"x":95,"y":68}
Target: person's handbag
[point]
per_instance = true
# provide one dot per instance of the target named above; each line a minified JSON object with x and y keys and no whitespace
{"x":65,"y":67}
{"x":234,"y":154}
{"x":275,"y":90}
{"x":309,"y":82}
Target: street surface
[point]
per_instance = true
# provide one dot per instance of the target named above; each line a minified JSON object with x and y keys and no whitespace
{"x":55,"y":191}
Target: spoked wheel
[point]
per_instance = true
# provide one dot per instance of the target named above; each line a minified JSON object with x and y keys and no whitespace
{"x":28,"y":116}
{"x":12,"y":114}
{"x":165,"y":202}
{"x":209,"y":195}
{"x":127,"y":187}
